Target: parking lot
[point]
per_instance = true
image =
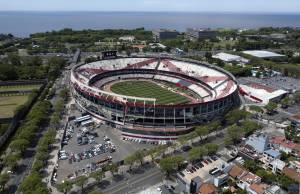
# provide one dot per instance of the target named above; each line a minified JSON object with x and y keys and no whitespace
{"x":98,"y":144}
{"x":203,"y":169}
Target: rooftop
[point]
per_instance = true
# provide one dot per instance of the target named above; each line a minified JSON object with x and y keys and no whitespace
{"x":283,"y":142}
{"x":229,"y":57}
{"x":207,"y":188}
{"x":292,"y":173}
{"x":273,"y":153}
{"x":263,"y":54}
{"x":259,"y":188}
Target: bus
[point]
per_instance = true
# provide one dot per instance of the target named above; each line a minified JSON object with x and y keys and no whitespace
{"x":81,"y":119}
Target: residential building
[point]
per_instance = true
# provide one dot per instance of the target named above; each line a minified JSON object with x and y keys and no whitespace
{"x":220,"y":180}
{"x":163,"y":34}
{"x":243,"y":177}
{"x":198,"y":34}
{"x":208,"y":188}
{"x":277,"y":166}
{"x":285,"y":145}
{"x":259,"y":143}
{"x":259,"y":188}
{"x":274,"y":189}
{"x":273,"y":154}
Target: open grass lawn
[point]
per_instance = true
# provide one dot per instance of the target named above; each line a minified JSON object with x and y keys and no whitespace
{"x":148,"y":90}
{"x":20,"y":87}
{"x":9,"y":103}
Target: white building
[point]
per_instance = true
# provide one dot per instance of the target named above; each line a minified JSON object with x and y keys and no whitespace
{"x":263,"y":54}
{"x":127,"y":38}
{"x":260,"y":93}
{"x":230,"y":58}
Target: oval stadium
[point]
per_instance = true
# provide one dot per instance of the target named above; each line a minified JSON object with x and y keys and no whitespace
{"x":153,"y":98}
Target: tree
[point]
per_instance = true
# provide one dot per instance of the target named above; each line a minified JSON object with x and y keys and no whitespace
{"x":12,"y":160}
{"x":249,"y":127}
{"x":95,"y":192}
{"x":234,"y":116}
{"x":65,"y":187}
{"x":286,"y":102}
{"x":196,"y":153}
{"x":129,"y":160}
{"x":81,"y":181}
{"x":139,"y":155}
{"x":234,"y":133}
{"x":267,"y":177}
{"x":202,"y":131}
{"x":167,"y":165}
{"x":98,"y":176}
{"x":113,"y":168}
{"x":215,"y":126}
{"x":270,"y":107}
{"x":178,"y":161}
{"x":19,"y":145}
{"x":33,"y":184}
{"x":4,"y":178}
{"x":211,"y":148}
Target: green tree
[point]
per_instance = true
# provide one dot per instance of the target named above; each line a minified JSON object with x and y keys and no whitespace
{"x":286,"y":102}
{"x":202,"y":131}
{"x":12,"y":160}
{"x":19,"y":145}
{"x":98,"y":176}
{"x":65,"y":187}
{"x":270,"y":107}
{"x":234,"y":116}
{"x":130,"y":160}
{"x":211,"y":148}
{"x":113,"y":168}
{"x":167,"y":165}
{"x":33,"y":184}
{"x":197,"y":153}
{"x":249,"y":127}
{"x":234,"y":133}
{"x":139,"y":155}
{"x":4,"y":178}
{"x":81,"y":181}
{"x":95,"y":192}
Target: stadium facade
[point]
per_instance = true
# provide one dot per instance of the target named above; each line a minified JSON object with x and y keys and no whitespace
{"x":210,"y":90}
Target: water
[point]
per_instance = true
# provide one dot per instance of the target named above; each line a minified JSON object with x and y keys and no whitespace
{"x":25,"y":23}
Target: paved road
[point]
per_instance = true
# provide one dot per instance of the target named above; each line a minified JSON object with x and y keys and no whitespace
{"x":136,"y":182}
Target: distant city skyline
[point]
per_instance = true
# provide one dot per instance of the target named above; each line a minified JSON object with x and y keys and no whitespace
{"x":253,"y":6}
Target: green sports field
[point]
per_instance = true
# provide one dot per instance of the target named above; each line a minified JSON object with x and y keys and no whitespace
{"x":148,"y":90}
{"x":8,"y":105}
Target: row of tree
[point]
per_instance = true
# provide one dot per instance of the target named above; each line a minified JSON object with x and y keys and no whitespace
{"x":44,"y":148}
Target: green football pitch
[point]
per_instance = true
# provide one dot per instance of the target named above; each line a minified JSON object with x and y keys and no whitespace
{"x":148,"y":90}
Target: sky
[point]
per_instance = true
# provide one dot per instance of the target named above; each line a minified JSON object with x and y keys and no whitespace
{"x":262,"y":6}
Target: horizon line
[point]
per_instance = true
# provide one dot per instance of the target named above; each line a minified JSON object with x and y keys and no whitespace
{"x":124,"y":11}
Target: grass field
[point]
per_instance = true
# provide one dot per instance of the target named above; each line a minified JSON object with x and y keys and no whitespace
{"x":9,"y":103}
{"x":148,"y":90}
{"x":20,"y":87}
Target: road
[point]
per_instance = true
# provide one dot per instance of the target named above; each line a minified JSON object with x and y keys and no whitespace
{"x":136,"y":182}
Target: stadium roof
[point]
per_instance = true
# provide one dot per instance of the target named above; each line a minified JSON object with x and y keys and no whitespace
{"x":263,"y":54}
{"x":229,"y":57}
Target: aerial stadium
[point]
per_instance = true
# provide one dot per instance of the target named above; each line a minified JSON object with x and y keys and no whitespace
{"x":153,"y":98}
